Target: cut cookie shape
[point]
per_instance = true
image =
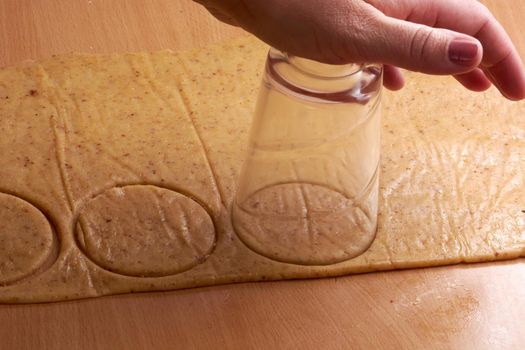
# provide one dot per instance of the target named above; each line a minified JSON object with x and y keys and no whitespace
{"x":27,"y":240}
{"x":145,"y":231}
{"x":304,"y":224}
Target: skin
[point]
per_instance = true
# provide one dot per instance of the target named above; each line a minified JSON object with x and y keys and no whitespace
{"x":417,"y":35}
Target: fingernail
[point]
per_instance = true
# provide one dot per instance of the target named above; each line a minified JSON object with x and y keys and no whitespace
{"x":463,"y":52}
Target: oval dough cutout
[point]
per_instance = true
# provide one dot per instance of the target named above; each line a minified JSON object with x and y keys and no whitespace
{"x":145,"y":231}
{"x":26,"y":239}
{"x":304,"y":224}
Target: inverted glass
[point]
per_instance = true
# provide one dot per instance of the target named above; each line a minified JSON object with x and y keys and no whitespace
{"x":308,"y":190}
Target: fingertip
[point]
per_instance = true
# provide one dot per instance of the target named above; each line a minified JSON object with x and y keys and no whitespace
{"x":509,"y":77}
{"x":393,"y":78}
{"x":465,"y":51}
{"x":474,"y":80}
{"x":515,"y":95}
{"x":516,"y":92}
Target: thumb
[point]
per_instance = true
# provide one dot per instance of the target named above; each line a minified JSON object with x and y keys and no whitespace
{"x":422,"y":48}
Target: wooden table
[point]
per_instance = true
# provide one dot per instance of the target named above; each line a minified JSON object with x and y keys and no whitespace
{"x":460,"y":307}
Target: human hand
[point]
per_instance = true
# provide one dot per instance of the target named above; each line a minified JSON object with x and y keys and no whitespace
{"x":457,"y":37}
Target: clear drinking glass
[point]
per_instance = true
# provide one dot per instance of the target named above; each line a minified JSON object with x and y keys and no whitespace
{"x":308,"y":189}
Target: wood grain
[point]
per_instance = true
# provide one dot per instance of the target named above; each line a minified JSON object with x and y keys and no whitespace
{"x":460,"y":307}
{"x":32,"y":29}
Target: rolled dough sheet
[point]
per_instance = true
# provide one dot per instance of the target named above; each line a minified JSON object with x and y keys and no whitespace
{"x":117,"y":174}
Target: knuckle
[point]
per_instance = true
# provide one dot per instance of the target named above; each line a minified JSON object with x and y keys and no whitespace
{"x":419,"y":42}
{"x":484,"y":10}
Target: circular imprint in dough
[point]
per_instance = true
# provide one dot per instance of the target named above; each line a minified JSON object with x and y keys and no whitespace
{"x":145,"y":231}
{"x":305,"y":224}
{"x":27,"y":240}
